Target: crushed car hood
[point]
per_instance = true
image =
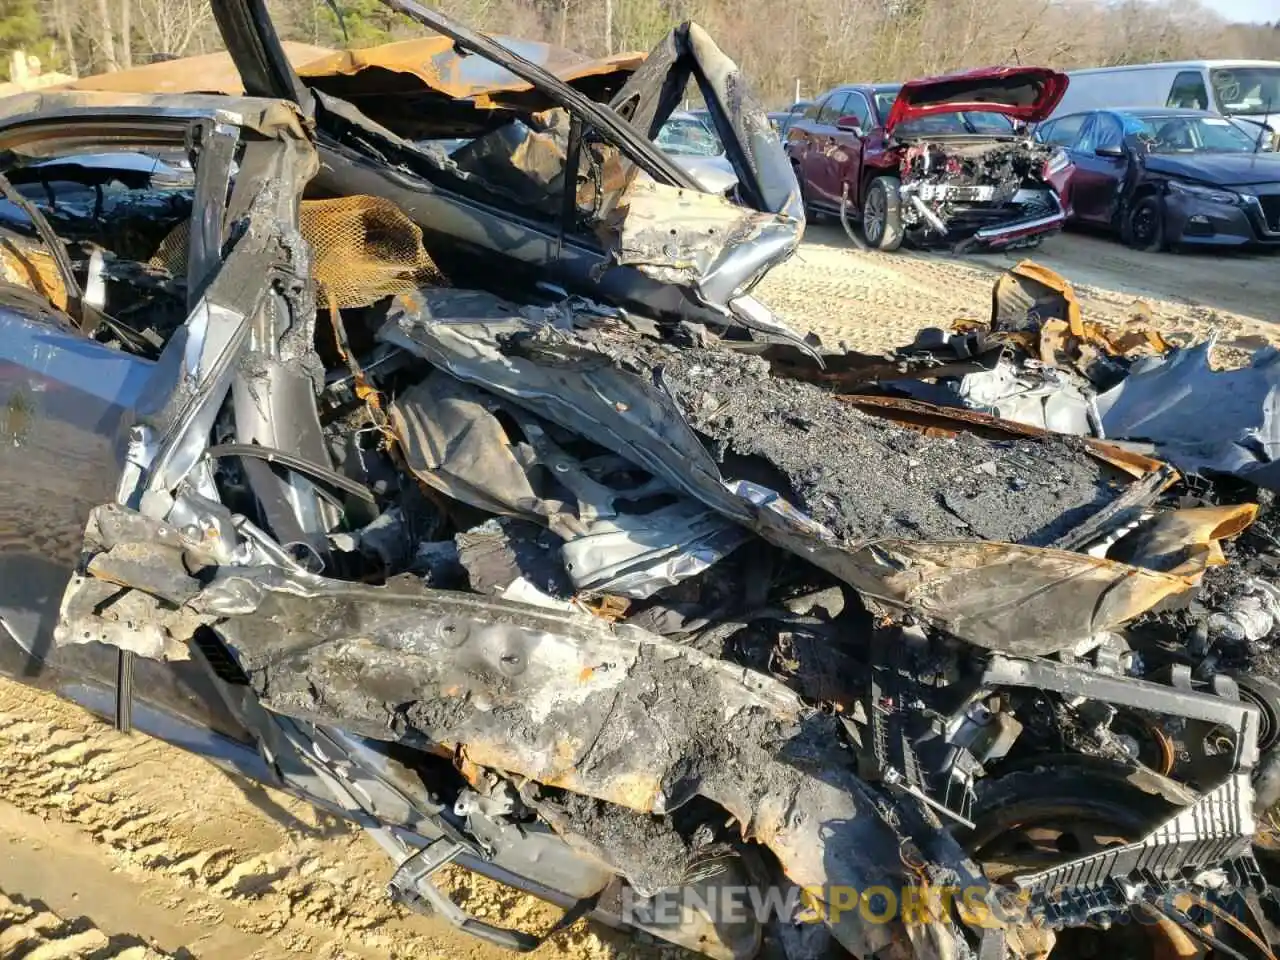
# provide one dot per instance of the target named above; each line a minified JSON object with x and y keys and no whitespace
{"x":396,"y":74}
{"x":207,"y":73}
{"x":434,"y":63}
{"x":1024,"y":93}
{"x":1219,"y":169}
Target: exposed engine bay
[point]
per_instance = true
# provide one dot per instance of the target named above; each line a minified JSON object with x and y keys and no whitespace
{"x":955,"y":187}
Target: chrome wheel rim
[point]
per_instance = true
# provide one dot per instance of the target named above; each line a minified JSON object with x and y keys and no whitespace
{"x":873,"y":216}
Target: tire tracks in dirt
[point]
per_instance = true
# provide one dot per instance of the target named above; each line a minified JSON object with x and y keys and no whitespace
{"x":873,"y":301}
{"x":215,"y":865}
{"x":33,"y":932}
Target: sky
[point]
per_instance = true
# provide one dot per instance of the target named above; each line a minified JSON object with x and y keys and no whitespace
{"x":1258,"y":11}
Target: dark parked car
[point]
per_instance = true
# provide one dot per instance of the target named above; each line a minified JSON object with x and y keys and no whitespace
{"x":943,"y":159}
{"x":783,"y":119}
{"x":1166,"y":177}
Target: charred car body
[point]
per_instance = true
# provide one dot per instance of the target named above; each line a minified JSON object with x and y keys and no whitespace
{"x":942,"y":160}
{"x":567,"y":583}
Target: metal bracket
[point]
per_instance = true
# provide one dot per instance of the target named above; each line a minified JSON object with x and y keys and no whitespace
{"x":124,"y":691}
{"x":412,"y":886}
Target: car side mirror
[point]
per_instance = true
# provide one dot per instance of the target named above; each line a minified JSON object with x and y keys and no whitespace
{"x":1112,"y":151}
{"x":849,"y":125}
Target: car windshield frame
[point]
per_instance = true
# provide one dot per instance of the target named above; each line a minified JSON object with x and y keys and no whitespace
{"x":884,"y":98}
{"x":1245,"y":78}
{"x":972,"y":123}
{"x":1146,"y":128}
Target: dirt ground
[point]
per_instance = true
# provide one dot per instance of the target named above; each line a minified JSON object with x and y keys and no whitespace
{"x":872,"y":300}
{"x":116,"y":846}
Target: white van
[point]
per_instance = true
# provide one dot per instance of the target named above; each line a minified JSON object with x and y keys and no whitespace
{"x":1247,"y":91}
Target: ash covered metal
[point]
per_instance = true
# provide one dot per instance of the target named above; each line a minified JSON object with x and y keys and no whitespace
{"x":578,"y":593}
{"x":866,"y":478}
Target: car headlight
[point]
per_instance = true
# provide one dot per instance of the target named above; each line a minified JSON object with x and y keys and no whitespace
{"x":1203,"y":193}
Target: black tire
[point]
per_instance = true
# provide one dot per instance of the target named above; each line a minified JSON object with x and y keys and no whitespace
{"x":1264,"y":693}
{"x":882,"y":214}
{"x":1142,"y":226}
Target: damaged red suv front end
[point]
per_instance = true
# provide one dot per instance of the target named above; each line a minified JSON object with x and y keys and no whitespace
{"x":968,"y":170}
{"x":940,"y":161}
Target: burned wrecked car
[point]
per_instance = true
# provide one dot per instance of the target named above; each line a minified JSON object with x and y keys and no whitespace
{"x":945,"y":160}
{"x":591,"y":585}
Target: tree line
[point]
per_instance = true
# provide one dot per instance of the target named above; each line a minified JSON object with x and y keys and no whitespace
{"x":782,"y":45}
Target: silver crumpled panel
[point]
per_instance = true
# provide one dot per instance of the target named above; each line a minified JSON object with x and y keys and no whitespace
{"x":625,"y":531}
{"x":1043,"y":398}
{"x":1201,"y":419}
{"x":592,"y":382}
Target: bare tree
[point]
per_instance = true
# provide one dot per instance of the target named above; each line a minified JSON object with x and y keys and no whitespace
{"x":107,"y":36}
{"x":813,"y":43}
{"x":61,"y":14}
{"x":126,"y":33}
{"x":169,"y":26}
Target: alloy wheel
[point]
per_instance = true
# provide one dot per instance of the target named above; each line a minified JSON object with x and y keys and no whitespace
{"x":873,"y":217}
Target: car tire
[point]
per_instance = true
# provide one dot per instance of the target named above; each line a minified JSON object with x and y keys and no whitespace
{"x":1143,"y":225}
{"x":882,"y":214}
{"x":1264,"y":693}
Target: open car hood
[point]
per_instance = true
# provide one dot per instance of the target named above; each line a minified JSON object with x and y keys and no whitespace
{"x":423,"y":84}
{"x":1024,"y":93}
{"x":433,"y":62}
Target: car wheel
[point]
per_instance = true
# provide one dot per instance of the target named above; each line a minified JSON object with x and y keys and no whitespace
{"x":1143,"y":226}
{"x":882,"y":214}
{"x":1264,"y":693}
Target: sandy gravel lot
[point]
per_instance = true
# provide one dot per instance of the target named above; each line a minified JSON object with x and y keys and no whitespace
{"x":875,"y":300}
{"x":114,"y":846}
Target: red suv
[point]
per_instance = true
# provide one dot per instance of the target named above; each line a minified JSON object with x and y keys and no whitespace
{"x":946,"y":159}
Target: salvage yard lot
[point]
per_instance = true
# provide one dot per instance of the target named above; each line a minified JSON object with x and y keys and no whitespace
{"x":228,"y":869}
{"x":875,"y":300}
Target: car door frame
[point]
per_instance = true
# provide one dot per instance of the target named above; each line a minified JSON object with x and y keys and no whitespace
{"x":800,"y":142}
{"x":360,"y":156}
{"x":1202,"y":76}
{"x":1096,"y":180}
{"x":822,"y":175}
{"x":1060,"y":176}
{"x":849,"y":147}
{"x":155,"y":421}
